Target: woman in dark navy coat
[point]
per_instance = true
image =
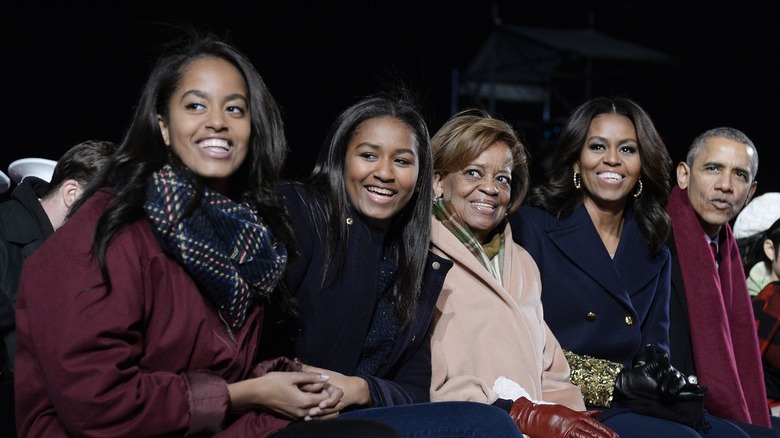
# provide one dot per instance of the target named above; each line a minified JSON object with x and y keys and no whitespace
{"x":596,"y":229}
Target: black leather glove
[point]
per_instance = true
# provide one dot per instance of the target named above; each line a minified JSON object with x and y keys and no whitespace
{"x":655,"y":379}
{"x":692,"y":392}
{"x":557,"y":421}
{"x":670,"y":381}
{"x":657,"y":389}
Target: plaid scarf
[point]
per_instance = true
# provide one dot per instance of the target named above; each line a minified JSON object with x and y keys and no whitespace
{"x":225,"y":246}
{"x":443,"y":211}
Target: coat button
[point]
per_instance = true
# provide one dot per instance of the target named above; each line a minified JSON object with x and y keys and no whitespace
{"x":590,"y":316}
{"x":414,"y":337}
{"x":349,"y":221}
{"x":629,"y":320}
{"x":436,"y":265}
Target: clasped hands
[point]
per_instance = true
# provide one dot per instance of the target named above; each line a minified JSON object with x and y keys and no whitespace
{"x":351,"y":390}
{"x":310,"y":394}
{"x":655,"y":379}
{"x":326,"y":392}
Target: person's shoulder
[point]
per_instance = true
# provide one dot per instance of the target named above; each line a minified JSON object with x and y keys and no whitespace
{"x":286,"y":187}
{"x":12,"y":216}
{"x":78,"y":231}
{"x":12,"y":210}
{"x":293,"y":193}
{"x":528,"y":215}
{"x":19,"y":222}
{"x":17,"y":204}
{"x":533,"y":211}
{"x":93,"y":209}
{"x":302,"y":199}
{"x":75,"y":235}
{"x":518,"y":252}
{"x":94,"y":206}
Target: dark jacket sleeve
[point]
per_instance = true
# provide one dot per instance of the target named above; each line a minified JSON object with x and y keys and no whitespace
{"x":6,"y":308}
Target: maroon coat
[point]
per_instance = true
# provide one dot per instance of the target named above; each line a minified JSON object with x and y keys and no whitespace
{"x":150,"y":357}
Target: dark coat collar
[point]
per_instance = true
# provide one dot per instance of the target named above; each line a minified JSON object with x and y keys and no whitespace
{"x":25,"y":199}
{"x":631,"y":269}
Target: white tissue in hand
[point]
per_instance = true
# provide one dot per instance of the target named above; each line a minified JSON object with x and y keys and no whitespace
{"x":507,"y":388}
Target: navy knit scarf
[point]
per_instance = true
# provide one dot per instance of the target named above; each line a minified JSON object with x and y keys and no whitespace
{"x":225,"y":246}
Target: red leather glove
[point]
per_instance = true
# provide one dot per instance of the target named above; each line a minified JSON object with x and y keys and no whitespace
{"x":553,"y":421}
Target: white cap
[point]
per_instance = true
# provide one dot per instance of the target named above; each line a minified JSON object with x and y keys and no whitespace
{"x":758,"y":215}
{"x":5,"y":182}
{"x":38,"y":167}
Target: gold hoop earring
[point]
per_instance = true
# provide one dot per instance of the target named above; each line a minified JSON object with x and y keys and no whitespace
{"x":639,"y":192}
{"x":577,"y":181}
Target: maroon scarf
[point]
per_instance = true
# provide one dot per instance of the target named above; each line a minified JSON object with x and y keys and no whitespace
{"x":723,"y":328}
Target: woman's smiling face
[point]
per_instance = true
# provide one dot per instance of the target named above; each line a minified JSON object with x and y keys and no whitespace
{"x":208,"y":125}
{"x":380,"y":169}
{"x":480,"y":192}
{"x":609,"y":161}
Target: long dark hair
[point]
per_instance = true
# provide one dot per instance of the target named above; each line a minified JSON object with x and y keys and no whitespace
{"x":559,"y":196}
{"x":143,"y":150}
{"x":407,"y":237}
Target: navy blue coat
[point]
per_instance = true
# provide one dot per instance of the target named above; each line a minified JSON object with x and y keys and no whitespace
{"x":334,"y":321}
{"x":595,"y":305}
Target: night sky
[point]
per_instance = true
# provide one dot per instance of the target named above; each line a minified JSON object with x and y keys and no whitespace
{"x":73,"y":72}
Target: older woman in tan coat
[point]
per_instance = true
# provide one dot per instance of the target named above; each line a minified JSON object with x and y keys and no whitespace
{"x":490,"y":342}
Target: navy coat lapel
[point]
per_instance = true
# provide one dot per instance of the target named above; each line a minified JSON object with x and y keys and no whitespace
{"x":632,"y":267}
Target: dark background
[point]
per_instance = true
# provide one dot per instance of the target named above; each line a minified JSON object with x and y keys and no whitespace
{"x":73,"y":72}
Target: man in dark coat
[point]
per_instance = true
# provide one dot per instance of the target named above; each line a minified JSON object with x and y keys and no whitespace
{"x":712,"y":330}
{"x":36,"y":209}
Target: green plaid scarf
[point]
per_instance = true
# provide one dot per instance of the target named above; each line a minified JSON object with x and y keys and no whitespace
{"x":225,"y":246}
{"x":443,"y":211}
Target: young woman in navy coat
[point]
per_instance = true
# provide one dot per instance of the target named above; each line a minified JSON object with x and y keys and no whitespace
{"x":365,"y":283}
{"x":596,"y":229}
{"x":336,"y":319}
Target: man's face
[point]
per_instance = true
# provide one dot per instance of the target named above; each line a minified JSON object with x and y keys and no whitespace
{"x":719,"y":183}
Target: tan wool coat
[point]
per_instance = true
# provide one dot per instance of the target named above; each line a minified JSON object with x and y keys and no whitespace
{"x":483,"y":330}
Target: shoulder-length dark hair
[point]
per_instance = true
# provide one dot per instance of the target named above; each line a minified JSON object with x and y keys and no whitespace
{"x":407,"y":237}
{"x":143,"y":150}
{"x":468,"y":134}
{"x":559,"y":196}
